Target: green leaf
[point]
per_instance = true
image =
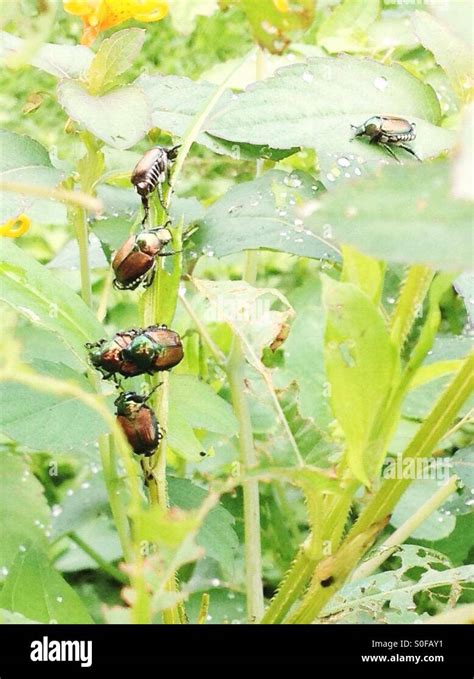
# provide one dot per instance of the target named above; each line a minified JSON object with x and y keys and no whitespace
{"x":428,"y":226}
{"x":451,"y":53}
{"x":175,"y":101}
{"x":216,"y":535}
{"x":387,"y":595}
{"x":45,"y":421}
{"x":345,"y":29}
{"x":362,"y":365}
{"x":101,"y":535}
{"x":263,"y":213}
{"x":182,"y":438}
{"x":437,"y":526}
{"x":25,"y":512}
{"x":455,"y":546}
{"x":34,"y":589}
{"x":120,"y":118}
{"x":334,"y":94}
{"x":462,"y":464}
{"x":248,"y":311}
{"x":303,"y":348}
{"x":80,"y":506}
{"x":364,"y":272}
{"x":62,"y":61}
{"x":200,"y":406}
{"x":116,"y":54}
{"x":38,"y":295}
{"x":24,"y":161}
{"x":19,"y":151}
{"x":195,"y":405}
{"x":312,"y":441}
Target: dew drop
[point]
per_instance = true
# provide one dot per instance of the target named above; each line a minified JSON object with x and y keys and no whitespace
{"x":292,"y":180}
{"x":53,"y":621}
{"x":85,"y":485}
{"x":215,"y":582}
{"x":298,"y":225}
{"x":344,"y":162}
{"x":59,"y":599}
{"x":381,"y":83}
{"x":209,"y":618}
{"x":4,"y":570}
{"x":330,"y":177}
{"x":357,"y":171}
{"x":22,"y":548}
{"x":70,"y":492}
{"x":308,"y":77}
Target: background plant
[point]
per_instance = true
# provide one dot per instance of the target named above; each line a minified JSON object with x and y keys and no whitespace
{"x":324,"y":298}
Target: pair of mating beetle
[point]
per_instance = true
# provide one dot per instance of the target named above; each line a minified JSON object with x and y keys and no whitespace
{"x":137,"y":352}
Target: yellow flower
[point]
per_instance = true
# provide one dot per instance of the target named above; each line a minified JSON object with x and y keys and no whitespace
{"x":282,"y":5}
{"x":15,"y":227}
{"x":98,"y":15}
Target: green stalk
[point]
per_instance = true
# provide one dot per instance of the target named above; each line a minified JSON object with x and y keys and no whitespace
{"x":82,"y":237}
{"x":102,"y":563}
{"x":311,"y":552}
{"x":119,"y":512}
{"x":248,"y":459}
{"x":385,"y":500}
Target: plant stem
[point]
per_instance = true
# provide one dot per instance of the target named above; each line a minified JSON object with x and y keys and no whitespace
{"x":203,"y":609}
{"x":298,"y":576}
{"x":118,"y":510}
{"x":82,"y":236}
{"x":104,"y":565}
{"x":405,"y":530}
{"x":248,"y":459}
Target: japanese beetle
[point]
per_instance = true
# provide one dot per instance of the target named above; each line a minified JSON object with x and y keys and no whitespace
{"x":388,"y":131}
{"x":136,"y":352}
{"x":151,"y":171}
{"x":138,"y":422}
{"x":135,"y":261}
{"x":154,"y":349}
{"x":107,"y":357}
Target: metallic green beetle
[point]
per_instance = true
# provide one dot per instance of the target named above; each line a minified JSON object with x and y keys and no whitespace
{"x":388,"y":131}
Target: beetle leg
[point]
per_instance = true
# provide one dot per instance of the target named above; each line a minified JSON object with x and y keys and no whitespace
{"x":146,"y":209}
{"x":152,"y":391}
{"x":148,"y":280}
{"x":410,"y":150}
{"x":168,"y":254}
{"x":159,"y":190}
{"x":390,"y":151}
